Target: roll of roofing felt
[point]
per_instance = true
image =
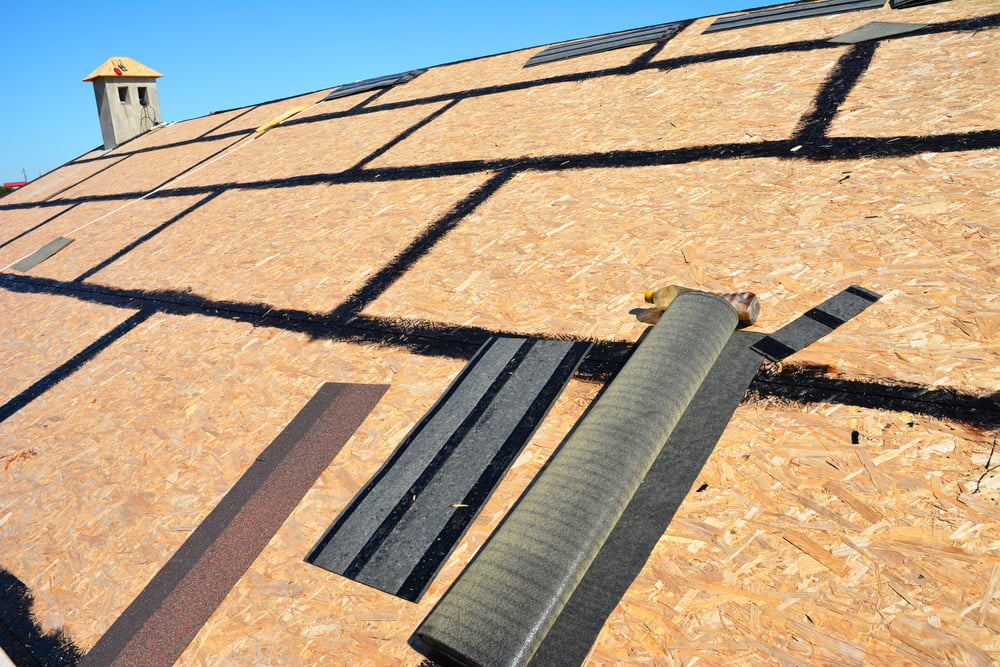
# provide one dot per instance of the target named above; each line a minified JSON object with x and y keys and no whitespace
{"x":499,"y":609}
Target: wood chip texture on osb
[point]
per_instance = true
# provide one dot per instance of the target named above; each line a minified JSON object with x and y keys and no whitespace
{"x":850,"y":515}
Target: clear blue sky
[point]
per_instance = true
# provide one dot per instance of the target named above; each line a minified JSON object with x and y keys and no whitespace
{"x":220,"y":55}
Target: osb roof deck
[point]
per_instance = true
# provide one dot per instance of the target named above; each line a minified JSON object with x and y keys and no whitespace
{"x":218,"y":276}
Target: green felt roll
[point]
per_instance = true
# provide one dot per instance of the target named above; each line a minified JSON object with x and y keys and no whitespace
{"x":499,"y":609}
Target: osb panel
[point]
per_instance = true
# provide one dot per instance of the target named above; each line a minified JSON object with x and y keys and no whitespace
{"x":570,"y":253}
{"x":285,"y":611}
{"x":305,"y":248}
{"x":104,"y":234}
{"x":38,"y":333}
{"x":65,"y":224}
{"x":133,"y":451}
{"x":797,"y":547}
{"x":63,"y":177}
{"x":649,"y":110}
{"x":303,"y":149}
{"x":18,"y":221}
{"x":956,"y":91}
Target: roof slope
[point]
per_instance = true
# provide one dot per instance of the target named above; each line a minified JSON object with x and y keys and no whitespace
{"x":219,"y":276}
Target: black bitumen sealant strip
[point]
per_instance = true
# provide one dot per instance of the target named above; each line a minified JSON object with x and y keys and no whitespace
{"x":71,"y":366}
{"x":440,"y":339}
{"x":42,"y":254}
{"x":368,"y":100}
{"x":825,"y":149}
{"x":810,"y":384}
{"x":449,"y":536}
{"x":400,"y":451}
{"x":158,"y":625}
{"x":86,"y":178}
{"x":399,"y":529}
{"x":420,"y":246}
{"x":651,"y":509}
{"x":146,"y":237}
{"x":835,"y":88}
{"x":385,"y":148}
{"x":397,"y":455}
{"x":816,"y":323}
{"x":38,"y":226}
{"x":442,"y":451}
{"x":21,"y":637}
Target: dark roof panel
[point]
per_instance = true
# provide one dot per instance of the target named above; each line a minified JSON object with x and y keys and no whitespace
{"x":791,"y":13}
{"x":618,"y":40}
{"x":373,"y":84}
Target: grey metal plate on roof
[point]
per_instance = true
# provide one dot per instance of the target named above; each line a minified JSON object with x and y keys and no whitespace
{"x":876,"y":30}
{"x":42,"y":254}
{"x":373,"y":84}
{"x":816,"y":323}
{"x":791,"y":13}
{"x":618,"y":40}
{"x":399,"y":529}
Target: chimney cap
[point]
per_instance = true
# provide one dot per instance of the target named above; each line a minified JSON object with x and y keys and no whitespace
{"x":122,"y":67}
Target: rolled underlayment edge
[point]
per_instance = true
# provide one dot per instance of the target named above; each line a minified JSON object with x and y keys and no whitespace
{"x":500,"y":608}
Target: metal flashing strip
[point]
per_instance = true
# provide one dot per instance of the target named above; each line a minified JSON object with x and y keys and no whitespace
{"x":156,"y":628}
{"x":398,"y":530}
{"x":618,"y":40}
{"x":42,"y":254}
{"x":792,"y":13}
{"x":876,"y":30}
{"x":372,"y":84}
{"x":816,"y":323}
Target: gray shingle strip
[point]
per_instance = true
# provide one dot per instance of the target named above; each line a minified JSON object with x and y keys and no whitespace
{"x":651,"y":509}
{"x":618,"y":40}
{"x":876,"y":30}
{"x":502,"y":605}
{"x":398,"y":530}
{"x":373,"y":84}
{"x":791,"y":13}
{"x":816,"y":323}
{"x":42,"y":254}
